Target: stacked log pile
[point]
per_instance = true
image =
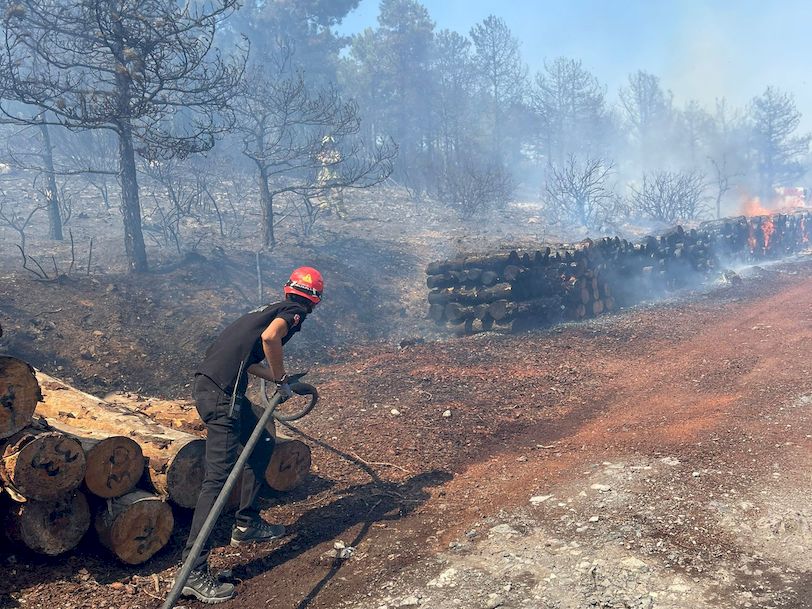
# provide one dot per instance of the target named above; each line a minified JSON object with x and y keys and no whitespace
{"x":40,"y":469}
{"x":513,"y":290}
{"x":69,"y":460}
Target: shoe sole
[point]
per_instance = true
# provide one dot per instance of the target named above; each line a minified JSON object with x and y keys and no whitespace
{"x":205,"y":599}
{"x":242,"y":542}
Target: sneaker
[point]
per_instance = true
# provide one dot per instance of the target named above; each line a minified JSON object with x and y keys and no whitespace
{"x":257,"y":531}
{"x":205,"y":588}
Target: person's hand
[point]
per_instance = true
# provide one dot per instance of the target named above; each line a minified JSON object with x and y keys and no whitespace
{"x":283,"y":389}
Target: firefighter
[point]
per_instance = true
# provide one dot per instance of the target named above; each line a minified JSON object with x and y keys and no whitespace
{"x":219,"y":393}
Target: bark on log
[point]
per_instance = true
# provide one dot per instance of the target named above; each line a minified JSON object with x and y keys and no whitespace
{"x":134,"y":526}
{"x":41,"y":464}
{"x":177,"y":414}
{"x":19,"y":394}
{"x":49,"y":527}
{"x":115,"y":463}
{"x":175,"y":459}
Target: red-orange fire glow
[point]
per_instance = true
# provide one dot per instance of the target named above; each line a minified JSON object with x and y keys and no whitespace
{"x":751,"y":239}
{"x":768,"y":228}
{"x":753,"y":207}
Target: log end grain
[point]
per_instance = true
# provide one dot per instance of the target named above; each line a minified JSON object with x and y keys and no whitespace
{"x":289,"y":464}
{"x":19,"y":394}
{"x":184,"y":474}
{"x":49,"y":527}
{"x":135,"y":526}
{"x":42,"y":465}
{"x":114,"y":466}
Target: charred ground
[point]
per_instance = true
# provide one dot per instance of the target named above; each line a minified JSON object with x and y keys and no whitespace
{"x":694,"y":413}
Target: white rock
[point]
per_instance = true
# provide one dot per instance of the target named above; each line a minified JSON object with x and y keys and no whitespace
{"x":409,"y":601}
{"x":494,"y":601}
{"x":446,"y":578}
{"x":633,"y":563}
{"x":504,"y":529}
{"x":594,"y":518}
{"x":601,"y":488}
{"x":539,"y":499}
{"x":395,"y":412}
{"x":447,"y":414}
{"x":695,"y":474}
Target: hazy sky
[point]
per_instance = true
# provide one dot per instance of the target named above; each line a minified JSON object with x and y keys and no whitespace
{"x":700,"y":49}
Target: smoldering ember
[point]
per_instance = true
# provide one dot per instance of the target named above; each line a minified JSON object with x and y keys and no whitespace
{"x":382,"y":304}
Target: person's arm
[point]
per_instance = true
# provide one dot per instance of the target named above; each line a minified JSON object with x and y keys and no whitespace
{"x":272,"y":347}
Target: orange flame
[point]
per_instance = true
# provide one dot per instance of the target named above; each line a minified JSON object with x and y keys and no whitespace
{"x":753,"y":207}
{"x":767,"y":228}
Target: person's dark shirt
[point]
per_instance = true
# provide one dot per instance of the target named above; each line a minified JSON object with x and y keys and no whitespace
{"x":240,"y":344}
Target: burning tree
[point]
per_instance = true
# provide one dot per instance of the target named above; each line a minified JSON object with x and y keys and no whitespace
{"x":144,"y":69}
{"x":670,"y":196}
{"x":285,"y":125}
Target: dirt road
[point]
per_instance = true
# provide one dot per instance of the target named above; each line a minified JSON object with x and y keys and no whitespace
{"x":659,"y":457}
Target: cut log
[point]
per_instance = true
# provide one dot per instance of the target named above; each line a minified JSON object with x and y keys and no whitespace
{"x":115,"y":463}
{"x":41,"y":464}
{"x":289,"y":464}
{"x":175,"y":459}
{"x":134,"y":526}
{"x":49,"y":527}
{"x":498,"y":309}
{"x":488,"y":278}
{"x":19,"y":394}
{"x":177,"y":414}
{"x":436,"y":312}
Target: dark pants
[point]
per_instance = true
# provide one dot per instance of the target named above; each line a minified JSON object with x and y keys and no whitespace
{"x":226,"y":436}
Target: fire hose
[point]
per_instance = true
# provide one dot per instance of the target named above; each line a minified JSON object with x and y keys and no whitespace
{"x":269,"y":410}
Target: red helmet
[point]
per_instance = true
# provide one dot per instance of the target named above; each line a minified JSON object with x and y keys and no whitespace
{"x":306,"y":281}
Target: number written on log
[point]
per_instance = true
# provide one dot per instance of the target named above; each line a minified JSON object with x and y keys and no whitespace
{"x":119,"y":460}
{"x":56,"y":515}
{"x":67,"y":454}
{"x":51,"y":470}
{"x":7,"y":400}
{"x":293,"y":461}
{"x":146,"y":540}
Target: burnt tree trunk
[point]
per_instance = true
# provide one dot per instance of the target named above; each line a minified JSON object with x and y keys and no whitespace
{"x":266,"y":203}
{"x":130,"y":203}
{"x":51,"y":192}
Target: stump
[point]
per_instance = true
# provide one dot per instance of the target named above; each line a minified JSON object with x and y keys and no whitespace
{"x":49,"y":527}
{"x":19,"y":394}
{"x":134,"y":526}
{"x":41,"y":464}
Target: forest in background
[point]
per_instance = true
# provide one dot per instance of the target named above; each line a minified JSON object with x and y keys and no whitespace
{"x":171,"y":111}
